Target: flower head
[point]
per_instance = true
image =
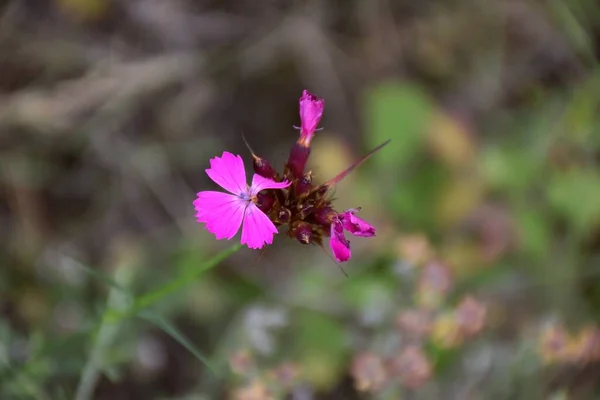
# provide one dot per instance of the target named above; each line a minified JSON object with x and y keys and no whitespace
{"x":311,"y":110}
{"x":224,"y":213}
{"x":347,"y":220}
{"x":306,"y":208}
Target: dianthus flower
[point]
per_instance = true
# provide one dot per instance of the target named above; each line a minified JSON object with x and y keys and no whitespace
{"x":223,"y":213}
{"x":273,"y":200}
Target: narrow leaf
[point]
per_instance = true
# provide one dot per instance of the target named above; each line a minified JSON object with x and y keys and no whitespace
{"x":176,"y":334}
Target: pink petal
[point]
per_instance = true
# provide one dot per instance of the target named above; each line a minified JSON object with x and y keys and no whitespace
{"x":258,"y":229}
{"x":259,"y":183}
{"x":311,"y":110}
{"x":228,"y":172}
{"x":356,"y":226}
{"x":340,"y":246}
{"x":221,"y":212}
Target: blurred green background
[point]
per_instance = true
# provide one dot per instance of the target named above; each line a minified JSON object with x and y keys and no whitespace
{"x":483,"y":281}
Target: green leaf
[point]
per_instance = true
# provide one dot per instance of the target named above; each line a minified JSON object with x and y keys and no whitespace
{"x":576,"y":194}
{"x":401,"y":112}
{"x":534,"y":232}
{"x":414,"y":199}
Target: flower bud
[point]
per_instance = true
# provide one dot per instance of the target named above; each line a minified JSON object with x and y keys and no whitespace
{"x":304,"y":233}
{"x":265,"y":202}
{"x":324,"y":216}
{"x":263,"y":168}
{"x":284,"y":215}
{"x":303,"y":185}
{"x":311,"y":110}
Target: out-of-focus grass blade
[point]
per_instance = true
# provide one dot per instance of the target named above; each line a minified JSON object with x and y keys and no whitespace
{"x":172,"y":331}
{"x":101,"y":276}
{"x":172,"y":286}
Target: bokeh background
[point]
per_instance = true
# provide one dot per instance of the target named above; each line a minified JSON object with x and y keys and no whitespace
{"x":483,"y":281}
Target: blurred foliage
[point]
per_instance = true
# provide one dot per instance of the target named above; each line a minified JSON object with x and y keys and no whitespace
{"x":482,"y":281}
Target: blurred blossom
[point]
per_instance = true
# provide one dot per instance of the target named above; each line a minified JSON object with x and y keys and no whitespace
{"x":557,"y":346}
{"x":241,"y":362}
{"x":446,"y":332}
{"x":435,"y":281}
{"x":585,"y":347}
{"x":412,"y":367}
{"x":369,"y":372}
{"x":254,"y":391}
{"x":554,"y":344}
{"x":414,"y":248}
{"x":415,"y":323}
{"x":494,"y":227}
{"x":470,"y":316}
{"x":285,"y":375}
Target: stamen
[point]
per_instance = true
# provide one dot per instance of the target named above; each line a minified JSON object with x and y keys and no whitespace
{"x":245,"y":196}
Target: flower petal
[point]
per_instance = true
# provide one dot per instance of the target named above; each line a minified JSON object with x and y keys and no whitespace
{"x":259,"y":183}
{"x":340,"y":246}
{"x":228,"y":172}
{"x":258,"y":229}
{"x":356,"y":226}
{"x":221,"y":212}
{"x":311,"y":110}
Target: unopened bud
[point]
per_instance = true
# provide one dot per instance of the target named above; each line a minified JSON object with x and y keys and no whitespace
{"x":324,"y":216}
{"x":304,"y":233}
{"x":265,"y":202}
{"x":284,"y":215}
{"x":303,"y":185}
{"x":263,"y":168}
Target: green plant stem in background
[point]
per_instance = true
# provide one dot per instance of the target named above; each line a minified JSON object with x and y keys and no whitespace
{"x":170,"y":287}
{"x":105,"y":336}
{"x":118,"y":309}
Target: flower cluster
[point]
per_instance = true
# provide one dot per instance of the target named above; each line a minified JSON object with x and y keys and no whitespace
{"x":557,"y":346}
{"x":255,"y":384}
{"x":433,"y":325}
{"x":274,"y":199}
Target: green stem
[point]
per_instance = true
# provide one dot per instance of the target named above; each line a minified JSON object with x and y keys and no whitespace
{"x":117,"y":310}
{"x":148,"y":299}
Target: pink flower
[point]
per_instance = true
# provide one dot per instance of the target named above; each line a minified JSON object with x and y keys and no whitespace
{"x":223,"y":213}
{"x":355,"y":225}
{"x":340,"y":246}
{"x":311,"y":110}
